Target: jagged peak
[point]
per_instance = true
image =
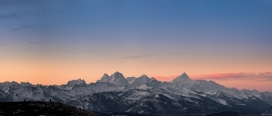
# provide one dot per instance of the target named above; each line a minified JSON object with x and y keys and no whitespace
{"x":76,"y":82}
{"x":104,"y":78}
{"x":105,"y":75}
{"x":184,"y":74}
{"x":182,"y":77}
{"x":116,"y":78}
{"x":143,"y":76}
{"x":117,"y":74}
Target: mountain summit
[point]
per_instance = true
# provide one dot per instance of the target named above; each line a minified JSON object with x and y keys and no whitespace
{"x":142,"y":80}
{"x":105,"y":78}
{"x":145,"y":80}
{"x":116,"y":78}
{"x":183,"y":78}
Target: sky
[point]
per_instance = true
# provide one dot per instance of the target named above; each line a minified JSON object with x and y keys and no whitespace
{"x":51,"y":42}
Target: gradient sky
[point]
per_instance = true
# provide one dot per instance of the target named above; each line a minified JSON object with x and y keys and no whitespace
{"x":51,"y":42}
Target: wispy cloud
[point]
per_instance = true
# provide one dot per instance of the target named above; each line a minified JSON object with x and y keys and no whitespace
{"x":8,"y":16}
{"x":32,"y":26}
{"x":15,"y":29}
{"x":263,"y":76}
{"x":38,"y":42}
{"x":135,"y":56}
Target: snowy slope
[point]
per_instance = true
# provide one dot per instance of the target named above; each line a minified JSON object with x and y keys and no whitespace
{"x":73,"y":83}
{"x":105,"y":78}
{"x":5,"y":97}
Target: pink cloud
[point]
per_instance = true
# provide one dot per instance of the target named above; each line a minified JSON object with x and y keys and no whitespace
{"x":263,"y":76}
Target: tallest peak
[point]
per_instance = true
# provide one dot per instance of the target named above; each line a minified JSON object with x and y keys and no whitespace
{"x":184,"y":74}
{"x":182,"y":78}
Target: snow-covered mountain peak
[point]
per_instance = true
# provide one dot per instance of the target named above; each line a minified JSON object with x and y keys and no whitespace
{"x":142,"y":80}
{"x":182,"y":78}
{"x":105,"y":78}
{"x":145,"y":80}
{"x":144,"y":77}
{"x":181,"y":93}
{"x":184,"y":75}
{"x":117,"y":74}
{"x":117,"y":78}
{"x":184,"y":81}
{"x":105,"y":75}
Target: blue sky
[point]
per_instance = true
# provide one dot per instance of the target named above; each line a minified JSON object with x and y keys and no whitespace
{"x":155,"y":37}
{"x":211,"y":20}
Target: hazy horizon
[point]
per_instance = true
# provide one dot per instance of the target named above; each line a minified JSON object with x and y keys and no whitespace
{"x":52,"y":42}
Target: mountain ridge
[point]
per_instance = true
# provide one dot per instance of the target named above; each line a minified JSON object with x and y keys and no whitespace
{"x":142,"y":95}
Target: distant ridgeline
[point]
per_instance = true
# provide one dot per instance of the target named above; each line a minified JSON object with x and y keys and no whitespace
{"x":142,"y":95}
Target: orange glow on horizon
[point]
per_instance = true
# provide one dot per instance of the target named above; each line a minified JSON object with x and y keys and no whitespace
{"x":260,"y":81}
{"x":60,"y":71}
{"x":165,"y":78}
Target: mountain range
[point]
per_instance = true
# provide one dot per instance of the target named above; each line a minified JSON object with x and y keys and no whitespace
{"x":143,"y":95}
